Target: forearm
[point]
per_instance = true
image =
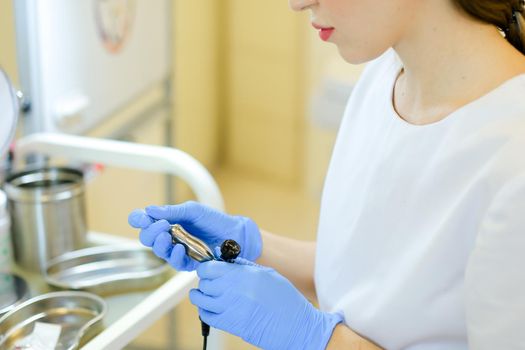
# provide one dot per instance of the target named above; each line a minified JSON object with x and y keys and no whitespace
{"x":344,"y":338}
{"x":292,"y":258}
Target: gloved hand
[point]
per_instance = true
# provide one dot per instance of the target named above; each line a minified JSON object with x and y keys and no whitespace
{"x":259,"y":305}
{"x":210,"y":225}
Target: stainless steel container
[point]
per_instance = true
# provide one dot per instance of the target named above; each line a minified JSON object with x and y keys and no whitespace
{"x":47,"y":214}
{"x":107,"y":270}
{"x":79,"y":314}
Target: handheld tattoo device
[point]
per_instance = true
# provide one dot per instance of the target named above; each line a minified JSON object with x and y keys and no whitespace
{"x":201,"y":252}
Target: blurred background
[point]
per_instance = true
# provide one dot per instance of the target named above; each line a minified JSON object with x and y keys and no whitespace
{"x":254,"y":95}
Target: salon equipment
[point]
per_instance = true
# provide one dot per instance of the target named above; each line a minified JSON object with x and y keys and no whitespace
{"x":79,"y":315}
{"x":195,"y":248}
{"x":108,"y":270}
{"x":133,"y":315}
{"x":199,"y":251}
{"x":47,"y":214}
{"x":210,"y":225}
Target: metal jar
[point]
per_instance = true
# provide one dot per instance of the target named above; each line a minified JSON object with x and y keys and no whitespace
{"x":47,"y":214}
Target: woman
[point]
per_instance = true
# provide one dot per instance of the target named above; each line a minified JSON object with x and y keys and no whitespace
{"x":421,"y":234}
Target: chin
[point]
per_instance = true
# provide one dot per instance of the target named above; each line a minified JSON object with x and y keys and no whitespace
{"x":355,"y":56}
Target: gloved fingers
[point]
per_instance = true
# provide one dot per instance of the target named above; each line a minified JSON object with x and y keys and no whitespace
{"x":139,"y":219}
{"x":206,"y":302}
{"x":180,"y":260}
{"x":208,"y":317}
{"x":186,"y":212}
{"x":210,"y":288}
{"x":214,"y":269}
{"x":149,"y":234}
{"x":163,"y":245}
{"x":242,"y":261}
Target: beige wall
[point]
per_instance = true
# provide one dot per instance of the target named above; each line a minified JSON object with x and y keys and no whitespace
{"x":7,"y":40}
{"x":240,"y":86}
{"x":324,"y":63}
{"x":265,"y":88}
{"x":195,"y":78}
{"x":196,"y":30}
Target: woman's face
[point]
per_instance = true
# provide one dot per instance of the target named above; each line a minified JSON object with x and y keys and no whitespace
{"x":361,"y":29}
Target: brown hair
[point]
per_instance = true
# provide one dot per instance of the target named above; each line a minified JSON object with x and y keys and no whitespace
{"x":504,"y":14}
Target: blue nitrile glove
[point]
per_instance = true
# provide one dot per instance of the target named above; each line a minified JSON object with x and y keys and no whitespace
{"x":207,"y":224}
{"x":259,"y":305}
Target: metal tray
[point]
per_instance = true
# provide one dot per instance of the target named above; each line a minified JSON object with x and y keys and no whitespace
{"x":79,"y":314}
{"x":106,"y":270}
{"x":13,"y":291}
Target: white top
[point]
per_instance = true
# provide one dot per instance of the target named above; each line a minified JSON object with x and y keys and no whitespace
{"x":421,"y":240}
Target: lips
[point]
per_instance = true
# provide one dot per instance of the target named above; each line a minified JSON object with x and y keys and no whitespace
{"x":324,"y":32}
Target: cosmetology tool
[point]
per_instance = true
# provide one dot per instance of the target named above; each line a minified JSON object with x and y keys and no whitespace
{"x":201,"y":252}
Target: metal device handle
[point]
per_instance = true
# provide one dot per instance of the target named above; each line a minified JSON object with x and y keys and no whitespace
{"x":195,"y":248}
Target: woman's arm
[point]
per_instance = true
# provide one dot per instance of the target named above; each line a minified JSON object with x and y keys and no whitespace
{"x":344,"y":338}
{"x":293,"y":259}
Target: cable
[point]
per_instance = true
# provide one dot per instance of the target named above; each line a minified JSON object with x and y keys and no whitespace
{"x":205,"y":331}
{"x":229,"y":252}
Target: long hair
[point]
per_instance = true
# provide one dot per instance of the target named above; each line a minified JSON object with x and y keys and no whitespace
{"x":507,"y":15}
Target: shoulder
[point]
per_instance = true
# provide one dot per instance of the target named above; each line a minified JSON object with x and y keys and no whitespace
{"x":495,"y":125}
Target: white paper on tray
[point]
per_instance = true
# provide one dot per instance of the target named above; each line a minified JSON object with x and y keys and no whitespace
{"x":44,"y":337}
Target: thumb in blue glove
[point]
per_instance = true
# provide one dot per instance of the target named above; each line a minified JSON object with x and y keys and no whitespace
{"x":259,"y":305}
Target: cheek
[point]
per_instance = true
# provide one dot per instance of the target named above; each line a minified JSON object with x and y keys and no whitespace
{"x":365,"y":29}
{"x":361,"y":42}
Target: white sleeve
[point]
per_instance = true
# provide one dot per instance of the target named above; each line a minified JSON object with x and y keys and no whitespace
{"x":495,"y":275}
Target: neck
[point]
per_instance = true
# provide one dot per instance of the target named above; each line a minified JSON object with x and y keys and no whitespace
{"x":450,"y":60}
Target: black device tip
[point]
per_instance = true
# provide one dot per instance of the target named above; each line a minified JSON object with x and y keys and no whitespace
{"x":230,"y":250}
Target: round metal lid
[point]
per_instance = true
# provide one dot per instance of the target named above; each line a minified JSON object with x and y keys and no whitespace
{"x":8,"y":112}
{"x":13,"y":291}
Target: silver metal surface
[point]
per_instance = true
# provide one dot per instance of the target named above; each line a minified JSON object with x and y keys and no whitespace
{"x":106,"y":270}
{"x":13,"y":291}
{"x":47,"y":214}
{"x":195,"y":248}
{"x":79,"y":314}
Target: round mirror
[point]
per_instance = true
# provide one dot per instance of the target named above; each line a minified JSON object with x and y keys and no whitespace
{"x":8,"y":112}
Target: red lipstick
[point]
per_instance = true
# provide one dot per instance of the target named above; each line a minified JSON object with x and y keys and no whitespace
{"x":324,"y":32}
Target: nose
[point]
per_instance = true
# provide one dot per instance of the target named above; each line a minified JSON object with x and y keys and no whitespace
{"x":300,"y":5}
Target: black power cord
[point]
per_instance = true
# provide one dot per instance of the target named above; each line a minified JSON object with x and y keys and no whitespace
{"x":230,"y":250}
{"x":205,"y":330}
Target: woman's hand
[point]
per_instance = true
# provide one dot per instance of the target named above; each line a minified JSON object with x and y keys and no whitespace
{"x":207,"y":224}
{"x":260,"y":306}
